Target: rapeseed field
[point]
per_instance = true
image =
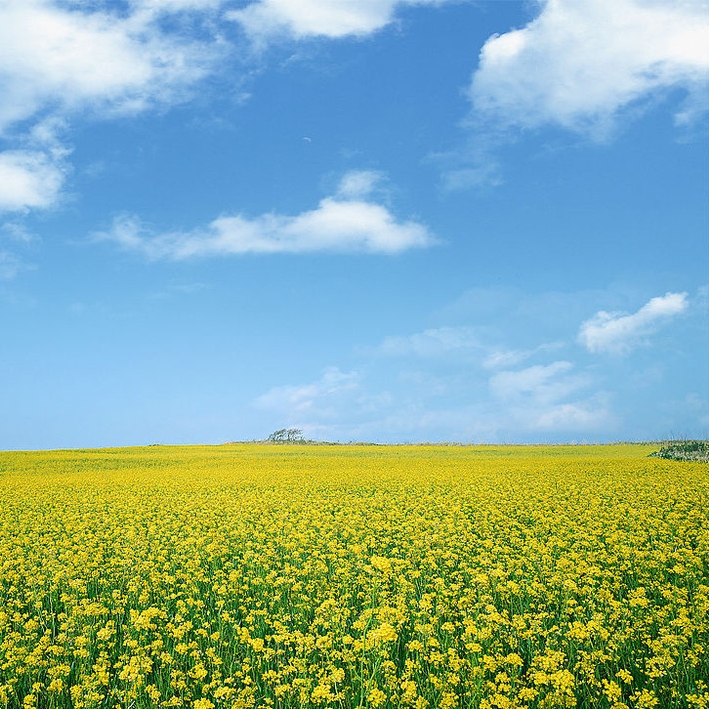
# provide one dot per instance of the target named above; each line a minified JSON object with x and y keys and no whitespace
{"x":354,"y":576}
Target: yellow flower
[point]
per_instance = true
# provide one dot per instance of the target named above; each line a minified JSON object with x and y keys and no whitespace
{"x":376,"y":698}
{"x":202,"y":704}
{"x":612,"y":691}
{"x":624,"y":676}
{"x":385,"y":633}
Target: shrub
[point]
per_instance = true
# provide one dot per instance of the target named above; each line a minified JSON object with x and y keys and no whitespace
{"x":684,"y":450}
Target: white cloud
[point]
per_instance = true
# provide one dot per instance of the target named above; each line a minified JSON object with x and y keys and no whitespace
{"x":585,"y":417}
{"x":542,"y":382}
{"x":351,"y":406}
{"x":17,"y":232}
{"x":431,"y":343}
{"x":57,"y":59}
{"x":325,"y":18}
{"x":359,"y":183}
{"x":315,"y":399}
{"x":619,"y":333}
{"x":169,"y":6}
{"x":537,"y":399}
{"x":29,"y":179}
{"x":498,"y":358}
{"x":52,"y":57}
{"x":579,"y":64}
{"x":338,"y":224}
{"x":450,"y":383}
{"x":10,"y":265}
{"x":505,"y":358}
{"x":476,"y":394}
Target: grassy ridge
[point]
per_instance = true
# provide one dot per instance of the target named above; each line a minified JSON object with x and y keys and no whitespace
{"x":258,"y":576}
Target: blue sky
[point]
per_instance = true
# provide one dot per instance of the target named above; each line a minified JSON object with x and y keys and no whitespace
{"x":371,"y":220}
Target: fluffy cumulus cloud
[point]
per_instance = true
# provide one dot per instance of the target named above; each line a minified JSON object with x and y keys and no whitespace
{"x":63,"y":58}
{"x":59,"y":59}
{"x":29,"y":179}
{"x":619,"y":333}
{"x":326,"y":18}
{"x":104,"y":59}
{"x":123,"y":57}
{"x":349,"y":221}
{"x":579,"y":64}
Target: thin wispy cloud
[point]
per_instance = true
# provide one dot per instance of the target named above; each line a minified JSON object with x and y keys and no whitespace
{"x":449,"y":379}
{"x":542,"y":382}
{"x":550,"y":397}
{"x":587,"y":417}
{"x":348,"y":221}
{"x":538,"y":400}
{"x":435,"y":342}
{"x":619,"y":333}
{"x":580,"y":65}
{"x":10,"y":265}
{"x":501,"y":358}
{"x":313,"y":399}
{"x":459,"y":340}
{"x":17,"y":232}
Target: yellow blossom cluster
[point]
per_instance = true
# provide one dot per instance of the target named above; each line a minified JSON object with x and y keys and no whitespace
{"x":243,"y":576}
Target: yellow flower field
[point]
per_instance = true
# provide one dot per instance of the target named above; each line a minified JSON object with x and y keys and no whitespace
{"x":354,"y":576}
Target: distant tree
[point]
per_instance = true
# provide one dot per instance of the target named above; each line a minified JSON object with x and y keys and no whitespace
{"x":286,"y":435}
{"x":294,"y":435}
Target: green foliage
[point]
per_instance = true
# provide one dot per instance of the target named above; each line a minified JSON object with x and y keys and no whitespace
{"x":287,"y":435}
{"x":684,"y":450}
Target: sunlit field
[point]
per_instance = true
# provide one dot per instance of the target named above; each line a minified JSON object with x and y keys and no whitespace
{"x":354,"y":576}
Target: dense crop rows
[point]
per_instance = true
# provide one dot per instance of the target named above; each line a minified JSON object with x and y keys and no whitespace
{"x":257,"y":576}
